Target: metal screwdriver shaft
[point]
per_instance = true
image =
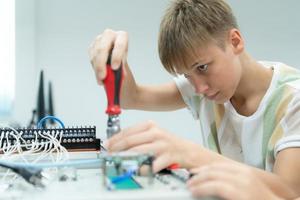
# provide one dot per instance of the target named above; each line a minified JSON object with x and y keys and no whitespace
{"x":112,"y":85}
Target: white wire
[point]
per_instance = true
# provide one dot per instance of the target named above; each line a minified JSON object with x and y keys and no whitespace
{"x":49,"y":148}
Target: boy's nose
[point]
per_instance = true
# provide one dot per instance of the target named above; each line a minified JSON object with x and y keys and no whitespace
{"x":201,"y":87}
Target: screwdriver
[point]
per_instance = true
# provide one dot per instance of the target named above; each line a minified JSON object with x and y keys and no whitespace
{"x":112,"y":84}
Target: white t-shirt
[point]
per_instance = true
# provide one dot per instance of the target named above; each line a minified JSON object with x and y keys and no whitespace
{"x":256,"y":139}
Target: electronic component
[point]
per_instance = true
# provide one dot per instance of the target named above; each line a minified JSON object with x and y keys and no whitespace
{"x":119,"y":168}
{"x":83,"y":138}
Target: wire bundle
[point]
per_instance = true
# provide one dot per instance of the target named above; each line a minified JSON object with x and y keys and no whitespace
{"x":21,"y":149}
{"x":33,"y":151}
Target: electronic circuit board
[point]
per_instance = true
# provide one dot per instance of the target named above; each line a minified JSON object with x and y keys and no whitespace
{"x":87,"y":183}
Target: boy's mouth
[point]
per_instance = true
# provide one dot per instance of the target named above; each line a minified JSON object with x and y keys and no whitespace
{"x":212,"y":96}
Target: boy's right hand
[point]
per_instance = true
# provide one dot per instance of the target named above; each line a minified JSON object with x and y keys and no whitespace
{"x":114,"y":42}
{"x":133,"y":95}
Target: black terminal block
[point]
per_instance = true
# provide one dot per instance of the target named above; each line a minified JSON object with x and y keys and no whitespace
{"x":83,"y":138}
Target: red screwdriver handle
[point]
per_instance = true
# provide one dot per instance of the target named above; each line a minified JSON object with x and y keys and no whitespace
{"x":112,"y":84}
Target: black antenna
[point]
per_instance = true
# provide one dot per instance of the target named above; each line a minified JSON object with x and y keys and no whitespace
{"x":41,"y":112}
{"x":50,"y":103}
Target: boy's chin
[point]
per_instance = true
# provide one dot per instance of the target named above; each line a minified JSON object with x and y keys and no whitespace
{"x":221,"y":100}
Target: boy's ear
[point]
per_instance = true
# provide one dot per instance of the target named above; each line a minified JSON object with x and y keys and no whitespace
{"x":236,"y":41}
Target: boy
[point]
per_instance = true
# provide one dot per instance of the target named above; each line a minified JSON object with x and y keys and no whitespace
{"x":248,"y":111}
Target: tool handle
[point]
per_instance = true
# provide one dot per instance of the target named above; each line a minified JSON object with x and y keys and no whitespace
{"x":173,"y":166}
{"x":112,"y":85}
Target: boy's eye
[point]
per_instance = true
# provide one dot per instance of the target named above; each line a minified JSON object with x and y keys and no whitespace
{"x":186,"y":76}
{"x":202,"y":68}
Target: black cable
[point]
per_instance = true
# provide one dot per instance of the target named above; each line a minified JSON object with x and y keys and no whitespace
{"x":31,"y":174}
{"x":103,"y":148}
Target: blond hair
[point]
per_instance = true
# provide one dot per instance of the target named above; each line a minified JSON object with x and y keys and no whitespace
{"x":190,"y":24}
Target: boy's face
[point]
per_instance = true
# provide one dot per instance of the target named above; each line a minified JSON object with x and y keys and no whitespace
{"x":216,"y":73}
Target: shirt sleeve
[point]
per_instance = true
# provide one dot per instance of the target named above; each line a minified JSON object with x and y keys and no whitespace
{"x":291,"y":126}
{"x":188,"y":94}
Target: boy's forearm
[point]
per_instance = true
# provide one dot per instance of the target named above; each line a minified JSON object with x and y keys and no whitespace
{"x":275,"y":183}
{"x":163,"y":97}
{"x":129,"y":90}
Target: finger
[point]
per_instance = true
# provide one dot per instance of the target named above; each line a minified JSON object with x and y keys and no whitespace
{"x":125,"y":67}
{"x":92,"y":55}
{"x":155,"y":148}
{"x":92,"y":49}
{"x":199,"y":169}
{"x":144,"y":170}
{"x":120,"y":50}
{"x":212,"y":174}
{"x":91,"y":52}
{"x":133,"y":130}
{"x":217,"y":188}
{"x":98,"y":37}
{"x":103,"y":48}
{"x":228,"y":167}
{"x":162,"y":161}
{"x":129,"y":141}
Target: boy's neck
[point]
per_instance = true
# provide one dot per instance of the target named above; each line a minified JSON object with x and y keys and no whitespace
{"x":254,"y":83}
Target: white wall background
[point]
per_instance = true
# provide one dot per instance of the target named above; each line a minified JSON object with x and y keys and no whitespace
{"x":55,"y":35}
{"x":26,"y":69}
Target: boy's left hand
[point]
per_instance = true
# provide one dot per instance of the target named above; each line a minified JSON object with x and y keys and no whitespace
{"x":147,"y":137}
{"x":228,"y":181}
